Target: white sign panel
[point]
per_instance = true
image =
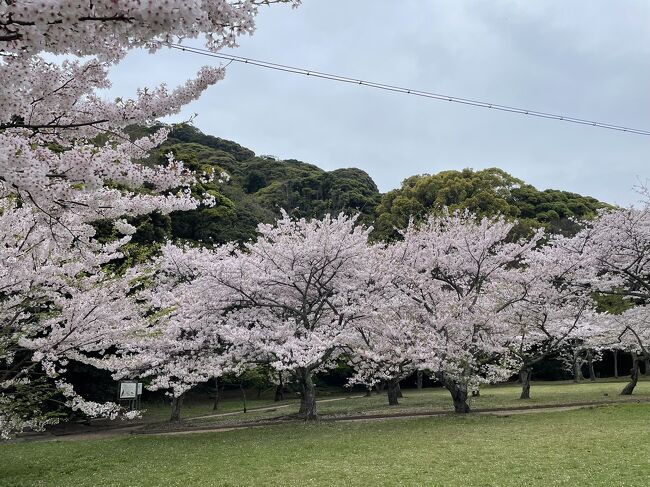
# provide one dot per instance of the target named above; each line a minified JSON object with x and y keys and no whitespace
{"x":128,"y":390}
{"x":139,"y":388}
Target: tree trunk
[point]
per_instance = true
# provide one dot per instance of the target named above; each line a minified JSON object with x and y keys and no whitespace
{"x":458,"y":393}
{"x":616,"y":364}
{"x":393,"y":388}
{"x":647,"y":366}
{"x":577,"y":370}
{"x":308,"y":395}
{"x":243,"y":395}
{"x":380,"y":386}
{"x":217,"y":396}
{"x":368,"y":391}
{"x":634,"y":376}
{"x":524,"y":377}
{"x":399,"y":391}
{"x":590,"y":361}
{"x":419,"y":379}
{"x":177,"y":402}
{"x":279,"y":389}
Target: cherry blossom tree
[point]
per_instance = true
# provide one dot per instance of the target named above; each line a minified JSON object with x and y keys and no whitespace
{"x":183,"y":344}
{"x":52,"y":115}
{"x":634,"y":336}
{"x":617,"y":249}
{"x":555,"y":310}
{"x":453,"y":268}
{"x":296,"y":295}
{"x":288,"y":300}
{"x":56,"y":305}
{"x":585,"y":350}
{"x":66,"y":162}
{"x":388,"y":345}
{"x":388,"y":349}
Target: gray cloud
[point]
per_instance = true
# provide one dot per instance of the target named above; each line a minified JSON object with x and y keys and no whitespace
{"x":586,"y":58}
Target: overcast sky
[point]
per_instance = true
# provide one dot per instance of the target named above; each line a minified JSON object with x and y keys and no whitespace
{"x":588,"y":59}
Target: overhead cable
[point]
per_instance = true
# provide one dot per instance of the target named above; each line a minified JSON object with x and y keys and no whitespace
{"x":407,"y":91}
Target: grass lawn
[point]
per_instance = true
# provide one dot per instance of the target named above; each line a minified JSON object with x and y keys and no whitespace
{"x":194,"y":406}
{"x":429,"y":399}
{"x":607,"y":445}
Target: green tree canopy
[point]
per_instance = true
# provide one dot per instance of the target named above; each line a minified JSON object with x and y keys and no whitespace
{"x":486,"y":192}
{"x":260,"y":186}
{"x":258,"y":189}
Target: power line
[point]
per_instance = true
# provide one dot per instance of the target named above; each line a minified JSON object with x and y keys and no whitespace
{"x":407,"y":91}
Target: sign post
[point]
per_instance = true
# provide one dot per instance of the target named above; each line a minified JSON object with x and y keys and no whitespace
{"x":131,"y":391}
{"x":139,"y":394}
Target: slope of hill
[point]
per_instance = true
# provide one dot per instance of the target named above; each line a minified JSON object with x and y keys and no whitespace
{"x":260,"y":186}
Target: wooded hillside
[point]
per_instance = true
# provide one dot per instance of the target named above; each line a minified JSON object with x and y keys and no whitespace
{"x":260,"y":186}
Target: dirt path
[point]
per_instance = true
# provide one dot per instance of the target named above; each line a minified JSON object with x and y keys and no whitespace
{"x":83,"y":436}
{"x":539,"y":410}
{"x":268,"y":408}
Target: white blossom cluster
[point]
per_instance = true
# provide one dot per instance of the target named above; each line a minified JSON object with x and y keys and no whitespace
{"x":455,"y":297}
{"x":443,"y":299}
{"x":67,"y":161}
{"x":65,"y":26}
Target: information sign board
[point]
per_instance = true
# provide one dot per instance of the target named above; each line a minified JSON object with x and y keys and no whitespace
{"x":128,"y":390}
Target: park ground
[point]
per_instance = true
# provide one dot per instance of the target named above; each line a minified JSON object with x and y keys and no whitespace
{"x":600,"y":444}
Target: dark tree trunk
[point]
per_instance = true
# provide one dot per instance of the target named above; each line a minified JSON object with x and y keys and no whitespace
{"x":577,"y":370}
{"x":177,"y":402}
{"x":393,"y":392}
{"x":399,"y":391}
{"x":259,"y":392}
{"x":307,"y":396}
{"x":243,"y":395}
{"x":590,"y":361}
{"x":524,"y":377}
{"x":459,"y":395}
{"x":380,"y":386}
{"x":616,"y":364}
{"x":279,"y":389}
{"x":647,"y":366}
{"x":368,"y":391}
{"x":217,"y":396}
{"x":418,"y":377}
{"x":634,"y":376}
{"x":279,"y":393}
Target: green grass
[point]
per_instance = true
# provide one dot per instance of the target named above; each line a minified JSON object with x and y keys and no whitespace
{"x":193,"y":407}
{"x":430,"y":399}
{"x":438,"y":399}
{"x":608,"y":445}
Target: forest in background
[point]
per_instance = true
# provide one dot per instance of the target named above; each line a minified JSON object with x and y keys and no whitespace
{"x":260,"y":186}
